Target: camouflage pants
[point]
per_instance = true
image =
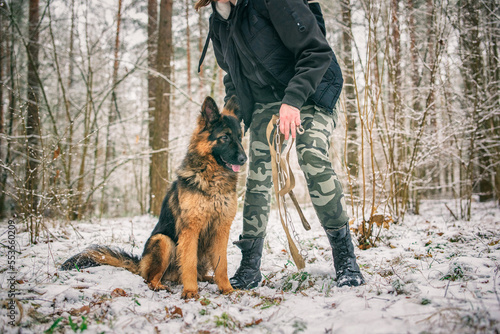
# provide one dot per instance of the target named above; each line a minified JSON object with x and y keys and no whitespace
{"x":312,"y":147}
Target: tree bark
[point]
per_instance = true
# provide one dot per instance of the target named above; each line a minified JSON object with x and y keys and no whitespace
{"x":69,"y":145}
{"x":415,"y":91}
{"x":188,"y":49}
{"x":33,"y":118}
{"x":473,"y":63}
{"x":472,"y":66}
{"x":152,"y":79}
{"x":493,"y":24}
{"x":3,"y":33}
{"x":161,"y":117}
{"x":9,"y":64}
{"x":415,"y":77}
{"x":79,"y":204}
{"x":113,"y":107}
{"x":431,"y":62}
{"x":350,"y":96}
{"x":201,"y":75}
{"x":3,"y":55}
{"x":398,"y":152}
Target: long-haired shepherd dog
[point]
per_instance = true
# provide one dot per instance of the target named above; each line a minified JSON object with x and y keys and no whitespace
{"x":192,"y":233}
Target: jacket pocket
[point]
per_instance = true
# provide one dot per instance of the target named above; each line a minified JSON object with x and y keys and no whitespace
{"x":330,"y":87}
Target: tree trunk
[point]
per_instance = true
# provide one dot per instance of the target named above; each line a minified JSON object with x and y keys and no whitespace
{"x":33,"y":121}
{"x":161,"y":117}
{"x":3,"y":33}
{"x":188,"y":48}
{"x":493,"y":24}
{"x":113,"y":108}
{"x":152,"y":79}
{"x":415,"y":77}
{"x":3,"y":55}
{"x":79,"y":204}
{"x":399,"y":144}
{"x":398,"y":148}
{"x":201,"y":75}
{"x":472,"y":73}
{"x":9,"y":66}
{"x":71,"y":45}
{"x":431,"y":48}
{"x":396,"y":60}
{"x":69,"y":145}
{"x":350,"y":96}
{"x":415,"y":90}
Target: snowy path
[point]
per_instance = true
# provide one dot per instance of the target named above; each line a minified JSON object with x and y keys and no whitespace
{"x":431,"y":274}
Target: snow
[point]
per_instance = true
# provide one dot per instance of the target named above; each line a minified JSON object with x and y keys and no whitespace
{"x":429,"y":274}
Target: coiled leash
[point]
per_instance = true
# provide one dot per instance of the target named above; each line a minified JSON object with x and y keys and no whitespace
{"x":284,"y":182}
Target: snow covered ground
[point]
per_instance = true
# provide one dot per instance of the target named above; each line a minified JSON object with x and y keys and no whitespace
{"x":430,"y":274}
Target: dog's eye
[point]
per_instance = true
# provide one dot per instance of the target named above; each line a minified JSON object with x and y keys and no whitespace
{"x":224,"y":138}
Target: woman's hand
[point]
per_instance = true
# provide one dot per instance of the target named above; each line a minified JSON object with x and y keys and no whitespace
{"x":289,"y":120}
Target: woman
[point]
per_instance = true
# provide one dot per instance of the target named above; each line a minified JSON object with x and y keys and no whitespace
{"x":277,"y":60}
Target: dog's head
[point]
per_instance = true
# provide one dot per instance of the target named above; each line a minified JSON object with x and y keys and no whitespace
{"x":224,"y":133}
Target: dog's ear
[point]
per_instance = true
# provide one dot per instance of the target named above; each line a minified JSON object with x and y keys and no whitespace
{"x":210,"y":111}
{"x":232,"y":108}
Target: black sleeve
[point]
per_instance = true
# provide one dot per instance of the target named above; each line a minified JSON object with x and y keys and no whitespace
{"x":318,"y":13}
{"x":228,"y":82}
{"x":298,"y":29}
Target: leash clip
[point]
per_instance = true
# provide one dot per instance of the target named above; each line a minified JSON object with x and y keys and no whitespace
{"x":299,"y":128}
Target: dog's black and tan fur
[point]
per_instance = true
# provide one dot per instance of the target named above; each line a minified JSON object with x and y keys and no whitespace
{"x":192,"y":233}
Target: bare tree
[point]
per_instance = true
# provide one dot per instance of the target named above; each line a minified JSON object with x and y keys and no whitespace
{"x":152,"y":46}
{"x":113,"y":108}
{"x":492,"y":31}
{"x":11,"y":84}
{"x":161,"y":119}
{"x":33,"y":122}
{"x":352,"y":150}
{"x":472,"y":63}
{"x":188,"y":48}
{"x":3,"y":33}
{"x":201,"y":73}
{"x":419,"y":121}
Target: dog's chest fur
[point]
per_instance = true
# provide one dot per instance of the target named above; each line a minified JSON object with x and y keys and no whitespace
{"x":208,"y":195}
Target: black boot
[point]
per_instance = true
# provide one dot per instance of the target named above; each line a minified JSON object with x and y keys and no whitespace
{"x":248,"y":275}
{"x":344,"y":260}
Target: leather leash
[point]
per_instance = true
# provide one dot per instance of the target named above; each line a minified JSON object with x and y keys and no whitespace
{"x":284,"y":182}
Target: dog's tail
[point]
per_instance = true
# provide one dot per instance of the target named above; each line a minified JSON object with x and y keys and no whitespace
{"x":95,"y":256}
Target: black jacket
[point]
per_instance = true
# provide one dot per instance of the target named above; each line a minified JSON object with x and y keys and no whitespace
{"x":285,"y":38}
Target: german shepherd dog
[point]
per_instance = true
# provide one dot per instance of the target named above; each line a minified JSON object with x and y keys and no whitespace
{"x":192,"y":233}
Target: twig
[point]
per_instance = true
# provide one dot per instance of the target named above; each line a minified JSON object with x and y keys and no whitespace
{"x":8,"y":247}
{"x":76,"y":231}
{"x":495,"y":284}
{"x":454,"y":216}
{"x":446,"y":290}
{"x":395,"y":273}
{"x":439,"y":312}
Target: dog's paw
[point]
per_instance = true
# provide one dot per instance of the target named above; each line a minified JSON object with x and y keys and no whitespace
{"x":158,"y":287}
{"x":226,"y":290}
{"x":188,"y":294}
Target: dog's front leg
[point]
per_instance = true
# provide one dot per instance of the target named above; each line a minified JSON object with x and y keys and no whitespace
{"x":219,"y":259}
{"x":188,"y":260}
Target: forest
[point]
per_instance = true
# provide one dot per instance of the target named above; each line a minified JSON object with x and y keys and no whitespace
{"x":98,"y":100}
